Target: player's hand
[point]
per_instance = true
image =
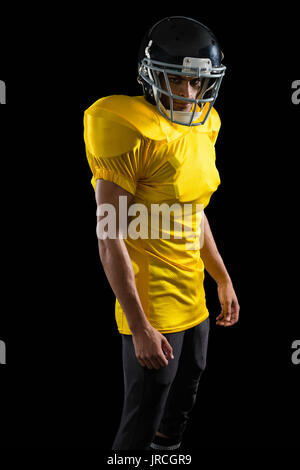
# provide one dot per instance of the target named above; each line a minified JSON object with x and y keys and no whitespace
{"x":152,"y":349}
{"x":229,"y":305}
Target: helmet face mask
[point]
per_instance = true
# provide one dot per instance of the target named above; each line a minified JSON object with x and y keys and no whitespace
{"x":187,"y":67}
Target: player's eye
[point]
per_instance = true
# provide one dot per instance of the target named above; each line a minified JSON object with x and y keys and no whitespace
{"x":175,"y":80}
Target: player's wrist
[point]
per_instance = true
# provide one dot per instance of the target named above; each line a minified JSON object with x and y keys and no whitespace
{"x":224,"y":280}
{"x":140,"y":327}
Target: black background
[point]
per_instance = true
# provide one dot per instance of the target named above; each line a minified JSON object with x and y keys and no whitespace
{"x":62,"y":385}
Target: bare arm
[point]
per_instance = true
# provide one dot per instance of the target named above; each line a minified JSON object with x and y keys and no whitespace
{"x":149,"y":344}
{"x":215,"y":266}
{"x":211,"y":257}
{"x":115,"y":258}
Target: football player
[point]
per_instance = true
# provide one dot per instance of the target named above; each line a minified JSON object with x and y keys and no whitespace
{"x":157,"y":153}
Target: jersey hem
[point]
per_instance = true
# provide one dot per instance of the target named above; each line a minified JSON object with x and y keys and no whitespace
{"x":172,"y":330}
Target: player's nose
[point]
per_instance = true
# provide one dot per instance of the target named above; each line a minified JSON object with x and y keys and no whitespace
{"x":186,"y":90}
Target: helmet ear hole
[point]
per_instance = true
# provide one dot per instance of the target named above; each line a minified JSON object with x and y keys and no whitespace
{"x":207,"y":88}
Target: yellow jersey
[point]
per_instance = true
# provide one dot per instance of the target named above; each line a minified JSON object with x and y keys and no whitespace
{"x":165,"y":166}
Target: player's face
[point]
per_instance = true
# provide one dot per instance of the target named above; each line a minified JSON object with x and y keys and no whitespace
{"x":185,"y":86}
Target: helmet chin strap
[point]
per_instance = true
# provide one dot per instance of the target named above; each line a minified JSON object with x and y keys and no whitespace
{"x":180,"y":116}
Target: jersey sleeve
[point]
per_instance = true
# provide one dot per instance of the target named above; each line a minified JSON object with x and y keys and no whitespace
{"x":114,"y":149}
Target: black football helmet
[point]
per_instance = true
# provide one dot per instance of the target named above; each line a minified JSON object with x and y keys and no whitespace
{"x":181,"y":46}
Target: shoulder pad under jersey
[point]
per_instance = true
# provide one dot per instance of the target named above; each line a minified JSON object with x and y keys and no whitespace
{"x":211,"y":126}
{"x":115,"y":124}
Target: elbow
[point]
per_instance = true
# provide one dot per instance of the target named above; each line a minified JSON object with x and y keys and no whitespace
{"x":108,"y":247}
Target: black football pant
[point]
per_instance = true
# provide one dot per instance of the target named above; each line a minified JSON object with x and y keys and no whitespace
{"x":161,"y":400}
